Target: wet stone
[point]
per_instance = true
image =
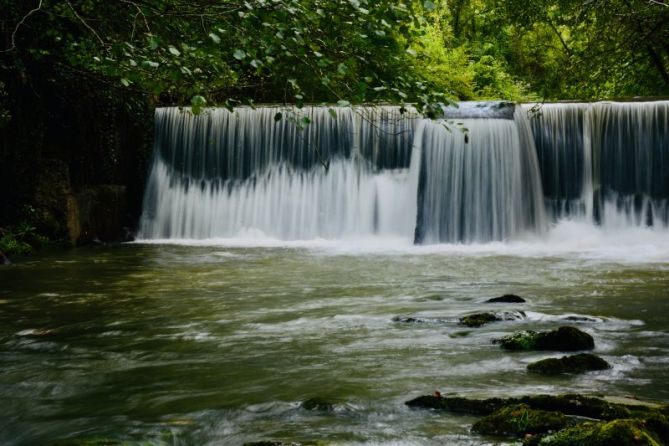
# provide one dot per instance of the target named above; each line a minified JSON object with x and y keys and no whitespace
{"x":318,"y":404}
{"x":507,"y":298}
{"x":519,"y":420}
{"x":564,"y":339}
{"x":276,"y":443}
{"x":581,"y":363}
{"x":479,"y":319}
{"x":623,"y":432}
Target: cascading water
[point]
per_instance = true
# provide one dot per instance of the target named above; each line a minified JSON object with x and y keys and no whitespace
{"x":558,"y":133}
{"x":606,"y":162}
{"x":478,"y":187}
{"x":283,"y":173}
{"x":338,"y":173}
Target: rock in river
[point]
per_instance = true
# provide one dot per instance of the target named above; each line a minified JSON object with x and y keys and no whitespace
{"x":583,"y":362}
{"x":507,"y":298}
{"x":479,"y":319}
{"x":564,"y":339}
{"x":519,"y":420}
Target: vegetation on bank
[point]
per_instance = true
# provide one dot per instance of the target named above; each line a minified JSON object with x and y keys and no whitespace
{"x":79,"y":79}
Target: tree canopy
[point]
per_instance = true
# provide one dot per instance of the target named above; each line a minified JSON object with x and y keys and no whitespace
{"x":230,"y":52}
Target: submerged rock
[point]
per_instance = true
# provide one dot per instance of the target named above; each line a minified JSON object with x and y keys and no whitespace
{"x":579,"y":318}
{"x":417,"y":320}
{"x":280,"y":443}
{"x":507,"y":298}
{"x":479,"y":319}
{"x":564,"y":339}
{"x":623,"y":432}
{"x":318,"y":404}
{"x":520,"y":420}
{"x":583,"y":362}
{"x":408,"y":320}
{"x":276,"y":443}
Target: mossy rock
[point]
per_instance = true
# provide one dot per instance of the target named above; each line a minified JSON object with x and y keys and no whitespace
{"x":583,"y":362}
{"x":568,"y":404}
{"x":519,"y":420}
{"x":507,"y":298}
{"x":621,"y":432}
{"x":479,"y":319}
{"x":458,"y":404}
{"x":564,"y":339}
{"x":579,"y":405}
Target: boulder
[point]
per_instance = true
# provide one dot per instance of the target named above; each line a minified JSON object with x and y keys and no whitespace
{"x":457,"y":404}
{"x":622,"y":432}
{"x":564,"y":339}
{"x":479,"y":319}
{"x":507,"y":298}
{"x":583,"y":362}
{"x":519,"y":420}
{"x":568,"y":404}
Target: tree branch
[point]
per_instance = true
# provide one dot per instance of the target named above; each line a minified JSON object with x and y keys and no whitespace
{"x":76,"y":14}
{"x":18,"y":25}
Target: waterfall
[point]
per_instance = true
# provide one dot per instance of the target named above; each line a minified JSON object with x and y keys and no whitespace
{"x":478,"y":185}
{"x":280,"y":172}
{"x":486,"y":172}
{"x":607,"y":162}
{"x":559,"y":138}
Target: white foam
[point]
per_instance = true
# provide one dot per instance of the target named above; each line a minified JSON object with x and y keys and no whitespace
{"x":568,"y":239}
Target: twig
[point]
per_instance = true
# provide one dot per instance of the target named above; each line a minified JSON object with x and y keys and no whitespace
{"x":18,"y":25}
{"x":74,"y":11}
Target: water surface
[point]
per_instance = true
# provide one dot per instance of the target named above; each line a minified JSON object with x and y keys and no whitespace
{"x":220,"y":342}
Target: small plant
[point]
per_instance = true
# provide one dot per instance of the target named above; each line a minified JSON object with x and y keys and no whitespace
{"x":23,"y":237}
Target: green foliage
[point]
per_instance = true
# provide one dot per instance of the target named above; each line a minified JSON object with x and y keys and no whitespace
{"x":233,"y":52}
{"x":22,"y":238}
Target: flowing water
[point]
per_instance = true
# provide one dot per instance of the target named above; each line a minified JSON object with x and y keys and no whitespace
{"x":277,"y":266}
{"x":172,"y":344}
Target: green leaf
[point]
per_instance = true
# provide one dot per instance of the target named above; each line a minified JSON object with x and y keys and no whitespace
{"x":429,"y":6}
{"x":125,"y":82}
{"x":332,"y":112}
{"x":239,"y":54}
{"x":343,"y":103}
{"x":197,"y":103}
{"x":215,"y":38}
{"x":174,"y":51}
{"x":153,"y":42}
